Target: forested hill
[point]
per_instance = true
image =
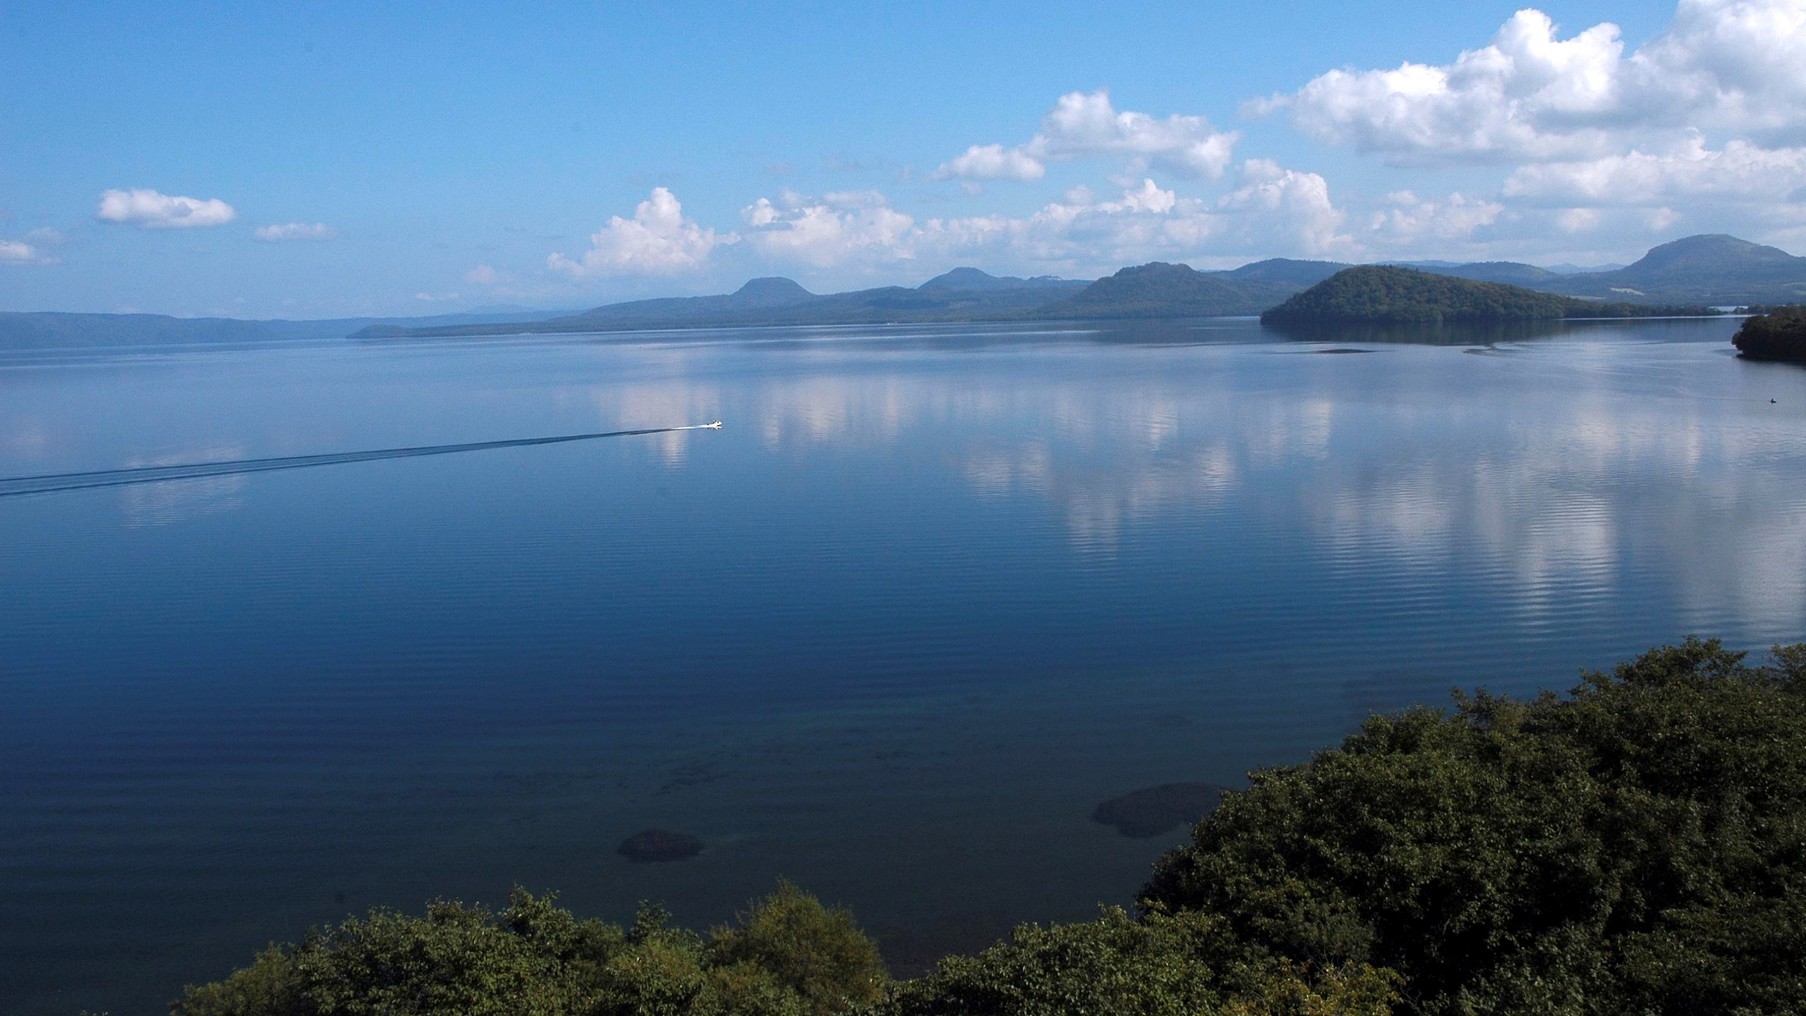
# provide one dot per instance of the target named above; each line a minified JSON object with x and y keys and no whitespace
{"x":1162,"y":290}
{"x":1386,"y":295}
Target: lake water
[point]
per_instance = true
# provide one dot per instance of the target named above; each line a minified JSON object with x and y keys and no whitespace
{"x":929,"y":596}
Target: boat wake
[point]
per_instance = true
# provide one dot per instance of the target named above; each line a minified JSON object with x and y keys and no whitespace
{"x":18,"y":486}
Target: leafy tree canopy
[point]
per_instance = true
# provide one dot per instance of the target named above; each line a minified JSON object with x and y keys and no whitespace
{"x":1638,"y":846}
{"x":787,"y":956}
{"x":1778,"y":335}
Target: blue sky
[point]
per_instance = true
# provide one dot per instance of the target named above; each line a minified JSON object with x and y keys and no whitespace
{"x":268,"y":161}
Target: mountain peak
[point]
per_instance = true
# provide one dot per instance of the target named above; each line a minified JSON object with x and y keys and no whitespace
{"x":973,"y":280}
{"x":1718,"y":248}
{"x":1713,"y":268}
{"x":963,"y":278}
{"x":1288,"y":270}
{"x":1156,"y":269}
{"x":1158,"y":289}
{"x":770,"y":291}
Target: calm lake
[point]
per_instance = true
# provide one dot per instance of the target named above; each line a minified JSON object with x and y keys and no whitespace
{"x":928,"y":596}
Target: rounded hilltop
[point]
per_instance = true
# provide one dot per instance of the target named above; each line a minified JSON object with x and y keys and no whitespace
{"x":1390,"y":295}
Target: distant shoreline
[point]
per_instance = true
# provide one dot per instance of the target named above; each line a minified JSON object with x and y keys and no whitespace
{"x":1689,"y":275}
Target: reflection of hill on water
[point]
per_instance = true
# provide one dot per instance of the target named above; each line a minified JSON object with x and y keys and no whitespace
{"x":1425,"y":334}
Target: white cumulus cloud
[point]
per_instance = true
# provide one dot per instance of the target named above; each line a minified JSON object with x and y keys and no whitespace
{"x":658,"y":240}
{"x":1740,"y":171}
{"x":18,"y":252}
{"x":1527,"y":94}
{"x":1271,"y":211}
{"x":149,"y":209}
{"x":1286,"y":209}
{"x":1079,"y":232}
{"x":1408,"y":220}
{"x":1530,"y":95}
{"x":1701,"y":128}
{"x":835,"y":229}
{"x":1145,"y":222}
{"x":994,"y":162}
{"x":1731,"y":64}
{"x":295,"y":231}
{"x":1086,"y":124}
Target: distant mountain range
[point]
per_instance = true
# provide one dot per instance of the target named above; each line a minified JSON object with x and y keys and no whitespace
{"x":1708,"y":269}
{"x":1711,"y":270}
{"x":1698,"y":270}
{"x":58,"y":330}
{"x":963,"y":294}
{"x":1714,"y":269}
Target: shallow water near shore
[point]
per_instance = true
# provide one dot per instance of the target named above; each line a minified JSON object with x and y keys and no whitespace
{"x":929,"y":596}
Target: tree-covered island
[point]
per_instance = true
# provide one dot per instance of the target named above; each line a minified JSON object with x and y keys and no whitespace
{"x":1635,"y":846}
{"x":1389,"y":295}
{"x":1778,"y":335}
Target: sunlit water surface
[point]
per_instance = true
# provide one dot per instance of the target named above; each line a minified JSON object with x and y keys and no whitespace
{"x":928,"y":597}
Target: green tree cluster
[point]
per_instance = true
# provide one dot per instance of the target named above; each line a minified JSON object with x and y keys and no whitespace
{"x":1636,"y":847}
{"x":788,"y":956}
{"x":1381,"y":294}
{"x":1778,"y":335}
{"x":1182,"y":964}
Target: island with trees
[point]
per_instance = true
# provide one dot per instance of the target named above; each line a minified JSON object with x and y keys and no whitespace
{"x":1637,"y":845}
{"x":1390,"y":295}
{"x":1779,"y":334}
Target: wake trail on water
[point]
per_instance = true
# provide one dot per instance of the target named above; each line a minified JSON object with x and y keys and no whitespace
{"x":51,"y":483}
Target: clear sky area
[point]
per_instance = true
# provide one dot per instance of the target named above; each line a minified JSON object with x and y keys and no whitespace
{"x":303,"y":161}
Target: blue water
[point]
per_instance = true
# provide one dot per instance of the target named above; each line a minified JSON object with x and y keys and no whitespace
{"x":929,"y":596}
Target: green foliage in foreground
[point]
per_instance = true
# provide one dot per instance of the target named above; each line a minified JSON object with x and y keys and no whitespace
{"x":1183,"y":964}
{"x":788,"y":956}
{"x":1778,"y":335}
{"x":1638,"y":846}
{"x":1387,"y":295}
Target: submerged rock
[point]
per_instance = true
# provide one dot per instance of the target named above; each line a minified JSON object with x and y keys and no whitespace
{"x":1151,"y":811}
{"x":659,"y":845}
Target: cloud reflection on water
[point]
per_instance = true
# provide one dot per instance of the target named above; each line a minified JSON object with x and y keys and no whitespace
{"x":1564,"y":469}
